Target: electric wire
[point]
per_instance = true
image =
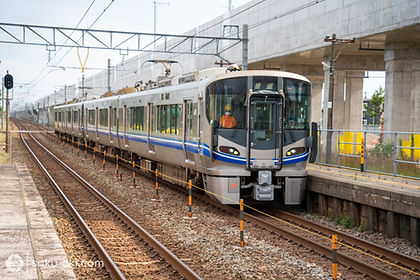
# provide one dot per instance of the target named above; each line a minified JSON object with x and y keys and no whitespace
{"x":100,"y":15}
{"x":55,"y":54}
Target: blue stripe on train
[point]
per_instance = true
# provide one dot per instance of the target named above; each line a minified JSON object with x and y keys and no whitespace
{"x":194,"y":148}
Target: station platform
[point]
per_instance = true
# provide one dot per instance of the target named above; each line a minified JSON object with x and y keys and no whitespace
{"x":378,"y":202}
{"x":29,"y":245}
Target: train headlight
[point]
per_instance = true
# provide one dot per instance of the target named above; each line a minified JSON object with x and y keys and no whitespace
{"x":295,"y":151}
{"x":229,"y":150}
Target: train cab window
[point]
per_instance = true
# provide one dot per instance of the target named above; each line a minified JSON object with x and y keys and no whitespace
{"x":103,"y":117}
{"x":91,"y":119}
{"x":138,"y":119}
{"x":265,"y":83}
{"x":297,"y":104}
{"x":231,"y":92}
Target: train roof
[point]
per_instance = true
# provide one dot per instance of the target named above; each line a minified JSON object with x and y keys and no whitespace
{"x":196,"y":79}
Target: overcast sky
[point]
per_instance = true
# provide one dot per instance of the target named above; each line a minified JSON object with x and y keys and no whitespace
{"x":29,"y":64}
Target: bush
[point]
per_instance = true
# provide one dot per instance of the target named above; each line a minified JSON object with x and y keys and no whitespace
{"x":383,"y":150}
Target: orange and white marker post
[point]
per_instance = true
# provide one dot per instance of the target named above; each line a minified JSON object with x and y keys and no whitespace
{"x":104,"y":161}
{"x":241,"y":210}
{"x":334,"y":257}
{"x":134,"y":173}
{"x":116,"y":165}
{"x":157,"y":183}
{"x":189,"y":199}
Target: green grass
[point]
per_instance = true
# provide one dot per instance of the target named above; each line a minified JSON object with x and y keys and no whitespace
{"x":3,"y":156}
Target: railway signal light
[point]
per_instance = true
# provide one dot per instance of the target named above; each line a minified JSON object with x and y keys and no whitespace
{"x":8,"y":81}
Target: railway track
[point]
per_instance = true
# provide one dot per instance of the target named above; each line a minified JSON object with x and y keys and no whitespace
{"x":360,"y":256}
{"x":127,"y":250}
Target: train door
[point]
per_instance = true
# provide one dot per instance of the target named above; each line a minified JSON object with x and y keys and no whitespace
{"x":96,"y":122}
{"x":110,"y":124}
{"x":264,"y":135}
{"x":200,"y":132}
{"x":125,"y":118}
{"x":80,"y":122}
{"x":187,"y":139}
{"x":119,"y":117}
{"x":150,"y":127}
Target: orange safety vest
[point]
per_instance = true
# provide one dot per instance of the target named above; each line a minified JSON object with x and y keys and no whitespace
{"x":227,"y":121}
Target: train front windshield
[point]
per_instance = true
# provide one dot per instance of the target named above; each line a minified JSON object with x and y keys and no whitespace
{"x":226,"y":101}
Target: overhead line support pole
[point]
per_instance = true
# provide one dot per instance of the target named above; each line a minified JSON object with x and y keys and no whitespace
{"x":334,"y":40}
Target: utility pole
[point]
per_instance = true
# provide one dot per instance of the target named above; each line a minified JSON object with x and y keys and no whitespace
{"x":109,"y":75}
{"x":155,"y":3}
{"x":65,"y":93}
{"x":2,"y":103}
{"x":334,"y":40}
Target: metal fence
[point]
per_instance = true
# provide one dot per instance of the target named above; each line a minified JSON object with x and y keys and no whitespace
{"x":393,"y":153}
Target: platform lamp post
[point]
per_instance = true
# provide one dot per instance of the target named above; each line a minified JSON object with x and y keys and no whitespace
{"x":8,"y":84}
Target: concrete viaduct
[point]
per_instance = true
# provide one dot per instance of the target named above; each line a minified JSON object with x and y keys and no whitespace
{"x":289,"y":35}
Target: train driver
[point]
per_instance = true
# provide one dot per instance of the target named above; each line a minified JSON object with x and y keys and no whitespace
{"x":227,"y":120}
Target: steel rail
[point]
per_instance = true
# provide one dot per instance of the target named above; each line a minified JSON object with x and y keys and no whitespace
{"x":163,"y":251}
{"x":367,"y":245}
{"x":349,"y":261}
{"x":112,"y":268}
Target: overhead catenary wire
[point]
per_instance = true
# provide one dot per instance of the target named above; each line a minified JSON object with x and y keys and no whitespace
{"x":56,"y":64}
{"x":55,"y":54}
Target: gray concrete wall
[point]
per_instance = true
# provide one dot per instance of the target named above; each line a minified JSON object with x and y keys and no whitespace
{"x":292,"y":26}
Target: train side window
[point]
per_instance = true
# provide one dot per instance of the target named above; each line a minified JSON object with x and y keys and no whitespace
{"x":114,"y":117}
{"x":75,"y":117}
{"x":153,"y":126}
{"x":174,"y":119}
{"x":138,"y":118}
{"x":103,"y":117}
{"x":161,"y":126}
{"x":91,"y":119}
{"x":69,"y":116}
{"x":55,"y":117}
{"x":168,"y":129}
{"x":120,"y":118}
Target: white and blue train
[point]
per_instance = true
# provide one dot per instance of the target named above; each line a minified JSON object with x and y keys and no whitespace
{"x":237,"y":134}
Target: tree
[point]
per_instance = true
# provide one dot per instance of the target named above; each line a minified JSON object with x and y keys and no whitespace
{"x":375,"y":107}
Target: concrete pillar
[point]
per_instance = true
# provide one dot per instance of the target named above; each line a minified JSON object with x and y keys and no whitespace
{"x":354,"y":100}
{"x":316,"y":101}
{"x":415,"y":97}
{"x":415,"y":230}
{"x":401,"y":86}
{"x":392,"y":224}
{"x":338,"y":100}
